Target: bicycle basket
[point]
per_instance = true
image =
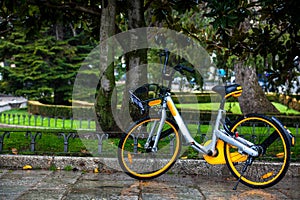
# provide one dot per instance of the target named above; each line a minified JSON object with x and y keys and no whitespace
{"x":142,"y":96}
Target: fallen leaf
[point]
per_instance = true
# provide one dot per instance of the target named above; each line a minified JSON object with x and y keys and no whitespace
{"x":14,"y":151}
{"x":27,"y":167}
{"x":96,"y":170}
{"x":84,"y":151}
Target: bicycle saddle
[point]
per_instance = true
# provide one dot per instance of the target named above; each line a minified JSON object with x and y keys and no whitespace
{"x":234,"y":90}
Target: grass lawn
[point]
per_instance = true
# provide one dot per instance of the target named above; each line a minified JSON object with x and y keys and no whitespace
{"x":233,"y":107}
{"x":49,"y":143}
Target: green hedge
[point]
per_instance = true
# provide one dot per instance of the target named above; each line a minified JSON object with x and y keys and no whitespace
{"x":85,"y":109}
{"x":37,"y":108}
{"x":208,"y":97}
{"x":292,"y":102}
{"x":207,"y":116}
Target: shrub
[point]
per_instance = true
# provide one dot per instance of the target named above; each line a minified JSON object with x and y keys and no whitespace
{"x":37,"y":108}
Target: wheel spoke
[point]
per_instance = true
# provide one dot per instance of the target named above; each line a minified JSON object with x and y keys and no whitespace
{"x":138,"y":159}
{"x":272,"y":163}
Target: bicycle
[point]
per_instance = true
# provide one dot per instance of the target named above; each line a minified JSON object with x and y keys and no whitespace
{"x":256,"y":148}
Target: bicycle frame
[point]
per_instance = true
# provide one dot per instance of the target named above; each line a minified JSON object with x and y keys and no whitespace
{"x":224,"y":147}
{"x":210,"y":149}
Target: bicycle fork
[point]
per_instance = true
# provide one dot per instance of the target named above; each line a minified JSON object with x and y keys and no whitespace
{"x":158,"y":132}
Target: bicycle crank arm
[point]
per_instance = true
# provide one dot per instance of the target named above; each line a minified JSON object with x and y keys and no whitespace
{"x":229,"y":139}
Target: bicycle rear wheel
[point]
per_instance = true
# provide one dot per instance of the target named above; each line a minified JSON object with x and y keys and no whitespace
{"x":268,"y":168}
{"x":138,"y":160}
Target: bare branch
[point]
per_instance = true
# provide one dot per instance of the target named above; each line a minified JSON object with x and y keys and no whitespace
{"x":74,"y":6}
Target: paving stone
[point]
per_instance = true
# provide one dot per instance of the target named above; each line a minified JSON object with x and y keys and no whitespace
{"x":65,"y":185}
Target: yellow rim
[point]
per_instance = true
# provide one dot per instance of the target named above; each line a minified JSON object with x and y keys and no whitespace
{"x":238,"y":173}
{"x":162,"y":169}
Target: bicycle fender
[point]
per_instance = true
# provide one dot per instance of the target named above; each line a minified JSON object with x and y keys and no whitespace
{"x":287,"y":132}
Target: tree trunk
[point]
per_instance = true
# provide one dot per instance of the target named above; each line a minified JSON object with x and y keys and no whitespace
{"x":59,"y":95}
{"x":105,"y":99}
{"x":253,"y":99}
{"x":136,"y":61}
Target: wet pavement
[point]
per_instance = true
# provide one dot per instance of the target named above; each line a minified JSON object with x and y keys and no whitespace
{"x":62,"y":184}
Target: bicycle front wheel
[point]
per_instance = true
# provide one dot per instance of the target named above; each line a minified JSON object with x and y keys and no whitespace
{"x":268,"y":168}
{"x":141,"y":161}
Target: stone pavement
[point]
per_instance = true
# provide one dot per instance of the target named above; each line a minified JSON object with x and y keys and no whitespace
{"x":62,"y":184}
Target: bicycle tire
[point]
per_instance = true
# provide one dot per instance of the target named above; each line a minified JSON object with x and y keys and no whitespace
{"x":142,"y":163}
{"x":269,"y":167}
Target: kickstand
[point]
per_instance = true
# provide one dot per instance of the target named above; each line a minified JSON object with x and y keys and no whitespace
{"x":247,"y":163}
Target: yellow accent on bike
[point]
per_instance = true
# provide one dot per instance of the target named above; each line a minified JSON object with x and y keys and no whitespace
{"x":171,"y":108}
{"x":219,"y":159}
{"x":280,"y":155}
{"x":267,"y":175}
{"x":237,"y":157}
{"x":234,"y":94}
{"x":154,"y":102}
{"x":292,"y":137}
{"x":129,"y":158}
{"x":237,"y":94}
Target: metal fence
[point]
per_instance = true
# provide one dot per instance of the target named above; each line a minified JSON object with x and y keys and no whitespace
{"x":27,"y":141}
{"x":50,"y":122}
{"x":32,"y":141}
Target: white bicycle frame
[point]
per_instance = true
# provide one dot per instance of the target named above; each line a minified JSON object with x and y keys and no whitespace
{"x":242,"y":144}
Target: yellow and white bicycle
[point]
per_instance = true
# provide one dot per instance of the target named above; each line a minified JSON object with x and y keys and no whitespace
{"x":256,"y":148}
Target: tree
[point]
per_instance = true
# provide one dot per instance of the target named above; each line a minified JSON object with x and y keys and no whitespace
{"x":40,"y":67}
{"x":249,"y":30}
{"x":136,"y":61}
{"x":45,"y":53}
{"x":105,"y":99}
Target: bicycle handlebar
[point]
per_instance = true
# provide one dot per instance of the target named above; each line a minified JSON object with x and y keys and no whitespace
{"x":180,"y":68}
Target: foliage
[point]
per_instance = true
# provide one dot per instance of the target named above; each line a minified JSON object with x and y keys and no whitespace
{"x":263,"y":32}
{"x":47,"y":40}
{"x":41,"y":59}
{"x":40,"y":67}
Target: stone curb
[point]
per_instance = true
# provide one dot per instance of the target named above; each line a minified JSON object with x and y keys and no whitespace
{"x":103,"y":164}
